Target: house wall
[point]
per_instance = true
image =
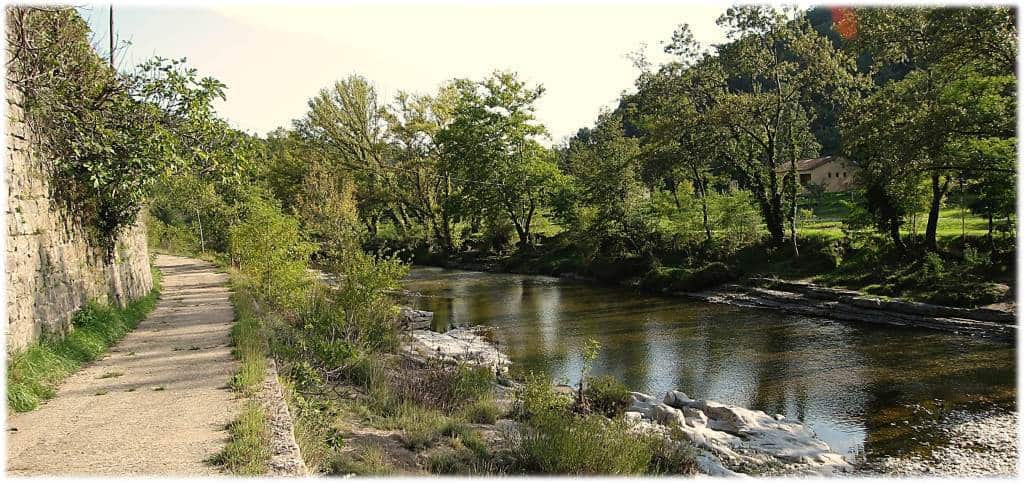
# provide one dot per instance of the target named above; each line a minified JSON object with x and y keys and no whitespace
{"x":837,"y":175}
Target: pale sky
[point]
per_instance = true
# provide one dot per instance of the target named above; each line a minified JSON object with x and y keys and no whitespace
{"x":273,"y":58}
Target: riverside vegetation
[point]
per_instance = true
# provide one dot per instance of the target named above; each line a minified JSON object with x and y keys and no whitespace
{"x":679,"y":187}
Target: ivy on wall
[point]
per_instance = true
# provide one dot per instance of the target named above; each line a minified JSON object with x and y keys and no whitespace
{"x":111,"y":135}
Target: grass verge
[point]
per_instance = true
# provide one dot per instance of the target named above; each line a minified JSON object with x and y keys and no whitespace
{"x":34,"y":373}
{"x":248,"y":449}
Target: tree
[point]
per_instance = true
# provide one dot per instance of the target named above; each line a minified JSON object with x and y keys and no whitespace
{"x":491,"y":145}
{"x":414,"y":122}
{"x":959,"y":91}
{"x":347,"y":125}
{"x":765,"y":80}
{"x":603,"y":202}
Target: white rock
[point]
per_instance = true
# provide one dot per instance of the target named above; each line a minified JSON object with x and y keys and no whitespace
{"x":461,"y":345}
{"x":738,"y":439}
{"x":668,"y":415}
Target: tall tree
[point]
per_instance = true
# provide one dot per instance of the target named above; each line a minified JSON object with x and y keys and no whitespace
{"x":959,"y":90}
{"x":492,"y":144}
{"x":768,"y":76}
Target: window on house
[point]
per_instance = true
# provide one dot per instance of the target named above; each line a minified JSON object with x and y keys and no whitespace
{"x":829,"y":174}
{"x":844,"y":174}
{"x":805,"y":178}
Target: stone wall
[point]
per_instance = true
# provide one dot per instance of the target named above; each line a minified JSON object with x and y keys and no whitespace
{"x":52,"y":266}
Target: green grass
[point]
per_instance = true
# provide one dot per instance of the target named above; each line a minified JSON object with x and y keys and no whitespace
{"x":248,"y":449}
{"x":250,"y":343}
{"x":370,"y":460}
{"x":482,"y":411}
{"x":34,"y":373}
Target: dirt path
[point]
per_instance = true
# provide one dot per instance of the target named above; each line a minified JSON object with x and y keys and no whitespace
{"x":157,"y":404}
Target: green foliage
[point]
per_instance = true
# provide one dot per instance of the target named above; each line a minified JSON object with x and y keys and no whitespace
{"x":537,"y":397}
{"x":248,"y":449}
{"x":554,"y":440}
{"x":112,"y":135}
{"x":580,"y":445}
{"x":608,"y":396}
{"x":268,"y":248}
{"x":482,"y":411}
{"x":665,"y":279}
{"x":34,"y":373}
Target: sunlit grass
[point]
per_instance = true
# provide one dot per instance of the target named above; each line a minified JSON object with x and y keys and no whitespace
{"x":34,"y":373}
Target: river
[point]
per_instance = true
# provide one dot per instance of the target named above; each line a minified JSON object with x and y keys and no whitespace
{"x":868,"y":390}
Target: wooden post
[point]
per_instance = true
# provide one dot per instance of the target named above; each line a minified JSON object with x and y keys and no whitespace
{"x":111,"y":26}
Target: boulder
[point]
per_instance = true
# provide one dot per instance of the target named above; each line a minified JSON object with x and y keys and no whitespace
{"x":461,"y":345}
{"x":732,"y":438}
{"x":643,"y":404}
{"x":668,"y":415}
{"x":412,"y":319}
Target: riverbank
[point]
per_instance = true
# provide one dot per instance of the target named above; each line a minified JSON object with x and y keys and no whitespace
{"x":981,"y":445}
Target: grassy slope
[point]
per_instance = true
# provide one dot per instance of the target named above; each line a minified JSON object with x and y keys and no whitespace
{"x":34,"y":373}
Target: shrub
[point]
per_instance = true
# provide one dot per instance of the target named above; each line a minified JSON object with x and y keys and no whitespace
{"x":269,"y":249}
{"x":556,"y":443}
{"x":608,"y":396}
{"x":440,"y":385}
{"x":537,"y":397}
{"x":482,"y":411}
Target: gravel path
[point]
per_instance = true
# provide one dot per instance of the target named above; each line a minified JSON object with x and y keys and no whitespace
{"x":157,"y":404}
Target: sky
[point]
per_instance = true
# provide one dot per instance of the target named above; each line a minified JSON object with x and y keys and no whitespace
{"x":274,"y":57}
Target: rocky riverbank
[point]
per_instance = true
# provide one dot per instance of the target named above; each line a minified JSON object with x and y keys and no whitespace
{"x":847,"y":305}
{"x":979,"y":445}
{"x":735,"y":440}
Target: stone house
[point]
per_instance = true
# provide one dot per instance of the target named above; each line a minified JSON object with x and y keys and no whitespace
{"x":834,"y":173}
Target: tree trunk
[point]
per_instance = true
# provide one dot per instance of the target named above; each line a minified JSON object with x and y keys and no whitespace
{"x":703,"y":194}
{"x":938,"y":191}
{"x":897,"y":239}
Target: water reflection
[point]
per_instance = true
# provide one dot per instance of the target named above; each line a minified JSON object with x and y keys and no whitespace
{"x":861,"y":388}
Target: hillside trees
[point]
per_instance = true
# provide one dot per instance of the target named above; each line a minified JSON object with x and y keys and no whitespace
{"x":747,"y":110}
{"x":952,"y":115}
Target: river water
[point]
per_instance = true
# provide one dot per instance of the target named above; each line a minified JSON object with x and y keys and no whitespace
{"x":867,"y":390}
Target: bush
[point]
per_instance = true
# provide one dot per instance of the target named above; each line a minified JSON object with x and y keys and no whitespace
{"x":557,"y":443}
{"x":482,"y":411}
{"x":269,"y":249}
{"x":607,"y":395}
{"x":440,"y":385}
{"x":538,"y":397}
